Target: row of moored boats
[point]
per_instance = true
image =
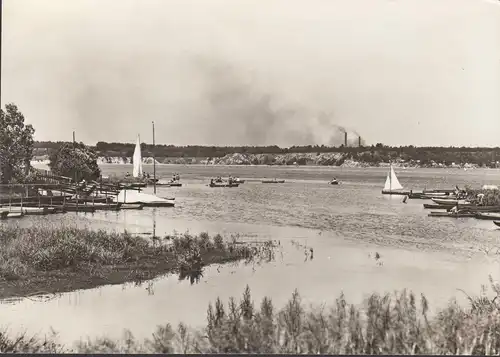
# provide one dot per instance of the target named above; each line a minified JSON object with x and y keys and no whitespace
{"x":454,"y":203}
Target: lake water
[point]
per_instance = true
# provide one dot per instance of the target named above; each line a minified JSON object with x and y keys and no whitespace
{"x":345,"y":225}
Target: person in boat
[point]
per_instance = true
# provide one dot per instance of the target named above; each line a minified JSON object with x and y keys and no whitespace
{"x":454,"y":210}
{"x":127,"y":174}
{"x":230,"y":180}
{"x":211,"y":181}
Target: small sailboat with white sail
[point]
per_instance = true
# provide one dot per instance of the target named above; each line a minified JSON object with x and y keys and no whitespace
{"x":137,"y":159}
{"x":132,"y":196}
{"x":392,"y":185}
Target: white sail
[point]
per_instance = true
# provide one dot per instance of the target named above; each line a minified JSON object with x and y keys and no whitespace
{"x":137,"y":159}
{"x":392,"y":182}
{"x":387,"y":185}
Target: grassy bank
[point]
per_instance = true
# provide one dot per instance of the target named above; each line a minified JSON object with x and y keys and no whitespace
{"x":396,"y":323}
{"x":49,"y":260}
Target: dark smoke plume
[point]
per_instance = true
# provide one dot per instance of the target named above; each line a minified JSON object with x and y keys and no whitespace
{"x":236,"y":106}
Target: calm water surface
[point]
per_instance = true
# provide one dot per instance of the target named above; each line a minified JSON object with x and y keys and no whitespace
{"x":345,"y":225}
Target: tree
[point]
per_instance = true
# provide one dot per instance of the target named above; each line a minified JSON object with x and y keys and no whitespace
{"x":76,"y":161}
{"x":16,"y":145}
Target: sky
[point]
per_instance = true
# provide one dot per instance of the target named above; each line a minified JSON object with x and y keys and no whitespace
{"x":256,"y":72}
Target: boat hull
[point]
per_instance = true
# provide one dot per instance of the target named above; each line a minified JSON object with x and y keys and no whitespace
{"x":395,"y":192}
{"x":497,"y":223}
{"x":453,"y":215}
{"x":488,"y":215}
{"x":273,"y":181}
{"x":223,"y":185}
{"x":450,"y":202}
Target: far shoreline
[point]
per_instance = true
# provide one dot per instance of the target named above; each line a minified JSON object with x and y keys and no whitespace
{"x":380,"y":166}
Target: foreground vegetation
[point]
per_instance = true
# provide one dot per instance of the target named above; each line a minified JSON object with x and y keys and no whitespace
{"x":62,"y":259}
{"x":390,"y":324}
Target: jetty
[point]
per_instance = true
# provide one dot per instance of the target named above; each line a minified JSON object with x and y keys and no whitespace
{"x":52,"y":194}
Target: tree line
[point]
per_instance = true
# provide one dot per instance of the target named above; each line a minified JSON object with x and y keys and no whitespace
{"x":425,"y":156}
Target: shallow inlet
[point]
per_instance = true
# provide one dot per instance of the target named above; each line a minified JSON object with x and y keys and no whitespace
{"x":345,"y":225}
{"x":337,"y":266}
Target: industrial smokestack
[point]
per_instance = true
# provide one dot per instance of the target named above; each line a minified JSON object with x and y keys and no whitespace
{"x":345,"y":139}
{"x":359,"y":141}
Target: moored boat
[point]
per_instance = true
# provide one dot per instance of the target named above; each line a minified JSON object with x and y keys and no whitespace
{"x":7,"y":215}
{"x":142,"y":198}
{"x":450,"y":201}
{"x":488,"y":215}
{"x":334,"y":181}
{"x":137,"y":206}
{"x":224,"y":184}
{"x":497,"y":223}
{"x":452,"y":214}
{"x":273,"y":181}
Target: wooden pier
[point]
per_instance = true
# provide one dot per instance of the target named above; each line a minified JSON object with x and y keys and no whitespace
{"x":52,"y":194}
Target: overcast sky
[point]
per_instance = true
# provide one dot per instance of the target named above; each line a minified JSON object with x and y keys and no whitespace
{"x":229,"y":72}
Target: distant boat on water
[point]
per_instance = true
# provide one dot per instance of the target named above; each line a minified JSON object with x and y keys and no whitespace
{"x":392,"y":185}
{"x":273,"y":181}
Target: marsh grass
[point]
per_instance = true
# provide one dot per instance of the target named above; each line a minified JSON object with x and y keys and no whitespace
{"x":397,"y":323}
{"x":25,"y":251}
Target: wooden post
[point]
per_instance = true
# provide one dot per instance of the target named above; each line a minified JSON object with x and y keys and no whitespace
{"x":10,"y":197}
{"x":22,"y":195}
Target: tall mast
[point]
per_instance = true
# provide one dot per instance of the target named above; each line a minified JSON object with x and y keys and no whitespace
{"x":154,"y":160}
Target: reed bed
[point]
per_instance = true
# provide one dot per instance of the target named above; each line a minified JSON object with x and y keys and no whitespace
{"x":25,"y":252}
{"x":397,"y":323}
{"x":490,"y":198}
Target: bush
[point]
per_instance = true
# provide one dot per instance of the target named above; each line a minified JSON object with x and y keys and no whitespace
{"x":76,"y":161}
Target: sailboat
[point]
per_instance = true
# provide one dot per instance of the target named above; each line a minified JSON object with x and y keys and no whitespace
{"x":137,"y":159}
{"x":392,"y":185}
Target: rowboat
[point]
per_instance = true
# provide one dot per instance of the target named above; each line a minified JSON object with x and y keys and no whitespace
{"x":450,"y":201}
{"x":334,"y":182}
{"x":497,"y":223}
{"x":273,"y":181}
{"x":435,"y":206}
{"x":215,"y":184}
{"x":488,"y":215}
{"x":428,"y":196}
{"x":174,"y":184}
{"x":451,"y":214}
{"x":440,"y":191}
{"x":7,"y":215}
{"x":137,"y":206}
